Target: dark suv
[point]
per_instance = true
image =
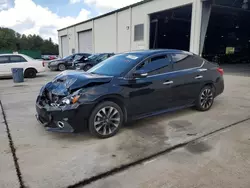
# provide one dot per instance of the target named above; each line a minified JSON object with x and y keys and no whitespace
{"x":127,"y":87}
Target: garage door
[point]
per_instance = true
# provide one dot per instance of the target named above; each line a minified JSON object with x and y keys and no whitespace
{"x":85,"y":41}
{"x":65,"y":46}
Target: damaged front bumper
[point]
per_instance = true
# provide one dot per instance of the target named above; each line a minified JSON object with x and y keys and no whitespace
{"x":62,"y":119}
{"x":55,"y":119}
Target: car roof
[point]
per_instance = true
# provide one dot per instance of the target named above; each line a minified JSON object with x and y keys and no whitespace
{"x":80,"y":54}
{"x":152,"y":52}
{"x":10,"y":54}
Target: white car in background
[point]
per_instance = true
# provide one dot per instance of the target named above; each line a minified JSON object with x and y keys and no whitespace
{"x":30,"y":66}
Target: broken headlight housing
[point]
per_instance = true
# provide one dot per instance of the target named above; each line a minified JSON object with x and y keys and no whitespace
{"x":73,"y":98}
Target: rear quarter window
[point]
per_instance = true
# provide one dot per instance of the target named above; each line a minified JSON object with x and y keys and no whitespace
{"x":17,"y":59}
{"x":186,"y":61}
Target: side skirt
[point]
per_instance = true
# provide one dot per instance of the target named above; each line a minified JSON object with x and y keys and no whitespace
{"x":160,"y":112}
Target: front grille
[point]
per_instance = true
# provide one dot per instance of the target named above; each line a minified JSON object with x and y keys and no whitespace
{"x":51,"y":99}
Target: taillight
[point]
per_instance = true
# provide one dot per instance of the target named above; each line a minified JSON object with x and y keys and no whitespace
{"x":221,"y":71}
{"x":43,"y":64}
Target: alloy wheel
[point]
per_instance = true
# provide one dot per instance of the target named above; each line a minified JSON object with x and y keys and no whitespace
{"x":62,"y":67}
{"x":107,"y":120}
{"x":206,"y":99}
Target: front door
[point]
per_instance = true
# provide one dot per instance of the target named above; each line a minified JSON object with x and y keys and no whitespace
{"x":150,"y":94}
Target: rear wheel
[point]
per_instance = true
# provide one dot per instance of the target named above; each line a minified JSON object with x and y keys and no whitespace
{"x":61,"y":67}
{"x":30,"y":73}
{"x":205,"y":99}
{"x":106,"y":120}
{"x":87,"y":67}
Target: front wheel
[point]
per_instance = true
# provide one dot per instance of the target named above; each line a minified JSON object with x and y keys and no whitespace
{"x":106,"y":120}
{"x":205,"y":99}
{"x":61,"y":67}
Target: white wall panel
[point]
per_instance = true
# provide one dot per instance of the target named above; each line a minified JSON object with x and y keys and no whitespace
{"x":105,"y":34}
{"x":124,"y":29}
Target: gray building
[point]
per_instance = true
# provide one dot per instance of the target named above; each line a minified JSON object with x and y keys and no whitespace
{"x":208,"y":27}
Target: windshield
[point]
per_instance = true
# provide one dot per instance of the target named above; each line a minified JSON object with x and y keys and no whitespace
{"x":116,"y":65}
{"x":67,"y":57}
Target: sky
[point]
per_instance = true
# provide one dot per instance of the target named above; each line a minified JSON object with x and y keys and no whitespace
{"x":45,"y":17}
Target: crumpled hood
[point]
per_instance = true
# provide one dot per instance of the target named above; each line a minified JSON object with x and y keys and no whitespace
{"x":68,"y":81}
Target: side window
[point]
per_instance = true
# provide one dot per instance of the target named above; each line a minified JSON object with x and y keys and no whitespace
{"x":185,"y":61}
{"x":77,"y":57}
{"x":156,"y":65}
{"x":4,"y":59}
{"x":17,"y":59}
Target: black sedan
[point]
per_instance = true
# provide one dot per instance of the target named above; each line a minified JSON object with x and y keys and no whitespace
{"x":127,"y":87}
{"x":66,"y":63}
{"x":87,"y":63}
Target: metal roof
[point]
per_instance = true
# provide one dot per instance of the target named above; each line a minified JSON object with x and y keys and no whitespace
{"x":109,"y":13}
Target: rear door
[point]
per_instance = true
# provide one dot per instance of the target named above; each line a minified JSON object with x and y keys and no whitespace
{"x":188,"y":77}
{"x":5,"y":66}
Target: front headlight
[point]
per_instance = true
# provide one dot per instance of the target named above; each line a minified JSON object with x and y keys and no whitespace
{"x":73,"y":98}
{"x":66,"y":101}
{"x":70,"y":100}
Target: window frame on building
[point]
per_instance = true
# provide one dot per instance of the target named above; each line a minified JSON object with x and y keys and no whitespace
{"x":139,"y":32}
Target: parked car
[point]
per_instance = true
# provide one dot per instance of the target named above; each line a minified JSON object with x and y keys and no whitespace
{"x":66,"y":63}
{"x":87,"y":63}
{"x":127,"y":87}
{"x":30,"y":66}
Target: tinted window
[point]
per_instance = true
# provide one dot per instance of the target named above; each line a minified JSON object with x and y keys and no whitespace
{"x":102,"y":58}
{"x":17,"y":59}
{"x":185,"y":61}
{"x":69,"y":57}
{"x":156,"y":65}
{"x":93,"y":57}
{"x":116,"y":65}
{"x":78,"y":56}
{"x":4,"y":59}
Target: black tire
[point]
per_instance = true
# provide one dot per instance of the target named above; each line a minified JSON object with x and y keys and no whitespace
{"x":109,"y":126}
{"x":30,"y":73}
{"x":61,"y":67}
{"x":205,"y":99}
{"x":87,"y":67}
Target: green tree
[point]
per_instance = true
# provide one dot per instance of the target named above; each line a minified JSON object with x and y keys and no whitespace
{"x":13,"y":41}
{"x":7,"y":39}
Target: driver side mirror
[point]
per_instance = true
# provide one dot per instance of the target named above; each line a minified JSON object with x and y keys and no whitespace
{"x":140,"y":74}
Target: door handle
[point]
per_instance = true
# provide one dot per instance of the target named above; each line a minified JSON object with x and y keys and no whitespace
{"x":199,"y":77}
{"x":168,"y":82}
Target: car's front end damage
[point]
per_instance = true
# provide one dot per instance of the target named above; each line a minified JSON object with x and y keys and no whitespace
{"x":64,"y":104}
